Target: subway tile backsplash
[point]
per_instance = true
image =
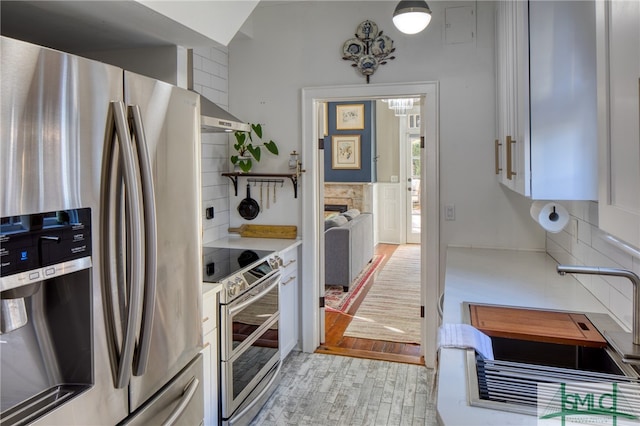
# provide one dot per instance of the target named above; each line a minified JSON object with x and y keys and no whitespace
{"x":583,"y":243}
{"x":210,"y":78}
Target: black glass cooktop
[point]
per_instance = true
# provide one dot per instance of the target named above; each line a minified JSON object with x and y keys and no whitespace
{"x":219,"y":263}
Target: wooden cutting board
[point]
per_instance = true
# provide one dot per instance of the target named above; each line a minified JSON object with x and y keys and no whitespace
{"x":266,"y":231}
{"x":536,"y":325}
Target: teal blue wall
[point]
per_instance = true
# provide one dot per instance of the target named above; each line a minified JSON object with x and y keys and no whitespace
{"x":367,"y":172}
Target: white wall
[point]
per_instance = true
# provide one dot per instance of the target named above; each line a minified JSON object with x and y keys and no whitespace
{"x":299,"y":45}
{"x":587,"y":245}
{"x":388,"y":140}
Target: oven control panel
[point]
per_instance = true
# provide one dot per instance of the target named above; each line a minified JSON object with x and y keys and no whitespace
{"x":236,"y":287}
{"x":246,"y":279}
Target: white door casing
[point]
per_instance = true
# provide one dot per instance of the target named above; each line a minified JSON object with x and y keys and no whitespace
{"x":312,"y":212}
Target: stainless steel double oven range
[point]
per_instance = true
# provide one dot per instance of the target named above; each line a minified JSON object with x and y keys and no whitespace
{"x":249,"y":324}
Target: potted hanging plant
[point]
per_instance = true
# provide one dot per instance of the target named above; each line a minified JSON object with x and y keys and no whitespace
{"x":248,"y":147}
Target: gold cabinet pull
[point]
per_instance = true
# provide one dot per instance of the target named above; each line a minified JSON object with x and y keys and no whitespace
{"x":510,"y":172}
{"x":205,"y":319}
{"x":497,"y":162}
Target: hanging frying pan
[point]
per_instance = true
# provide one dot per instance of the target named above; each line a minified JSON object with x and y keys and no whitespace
{"x":248,"y":208}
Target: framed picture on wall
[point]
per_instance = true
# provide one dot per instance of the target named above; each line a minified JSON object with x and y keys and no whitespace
{"x":345,"y":152}
{"x":350,"y":117}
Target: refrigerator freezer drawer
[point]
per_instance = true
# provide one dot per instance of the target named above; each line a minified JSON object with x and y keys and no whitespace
{"x":181,"y":402}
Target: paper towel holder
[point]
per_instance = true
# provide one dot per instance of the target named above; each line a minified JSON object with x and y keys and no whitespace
{"x":550,"y":215}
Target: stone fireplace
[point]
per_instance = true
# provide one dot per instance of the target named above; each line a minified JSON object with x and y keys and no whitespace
{"x":353,"y":195}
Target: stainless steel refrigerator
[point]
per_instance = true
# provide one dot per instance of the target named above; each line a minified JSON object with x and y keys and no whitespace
{"x":80,"y":134}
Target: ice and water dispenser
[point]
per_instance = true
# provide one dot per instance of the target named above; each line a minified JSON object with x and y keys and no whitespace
{"x":45,"y":307}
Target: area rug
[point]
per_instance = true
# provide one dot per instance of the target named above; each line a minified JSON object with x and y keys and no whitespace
{"x":338,"y":300}
{"x":391,"y":309}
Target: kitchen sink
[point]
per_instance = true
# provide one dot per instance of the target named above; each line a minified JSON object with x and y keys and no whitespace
{"x":599,"y":360}
{"x":510,"y":381}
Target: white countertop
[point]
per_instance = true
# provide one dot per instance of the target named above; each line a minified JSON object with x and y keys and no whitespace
{"x":276,"y":244}
{"x":502,"y":277}
{"x":207,"y":287}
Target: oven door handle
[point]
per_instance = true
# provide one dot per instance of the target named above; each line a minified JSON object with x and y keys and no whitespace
{"x":258,"y":397}
{"x":232,"y":309}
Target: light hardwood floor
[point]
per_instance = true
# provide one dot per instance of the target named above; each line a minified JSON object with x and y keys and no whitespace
{"x":337,"y":322}
{"x":319,"y":389}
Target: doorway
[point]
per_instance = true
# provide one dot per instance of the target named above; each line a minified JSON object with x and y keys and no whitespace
{"x":312,"y":210}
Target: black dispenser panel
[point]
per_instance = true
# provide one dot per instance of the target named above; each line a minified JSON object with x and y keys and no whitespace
{"x":42,"y":239}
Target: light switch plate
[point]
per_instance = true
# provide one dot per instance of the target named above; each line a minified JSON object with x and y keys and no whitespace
{"x":450,"y":212}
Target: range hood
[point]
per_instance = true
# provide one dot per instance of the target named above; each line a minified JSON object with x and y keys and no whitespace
{"x":213,"y":118}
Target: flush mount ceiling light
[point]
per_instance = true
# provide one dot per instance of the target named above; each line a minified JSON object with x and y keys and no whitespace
{"x":411,"y":17}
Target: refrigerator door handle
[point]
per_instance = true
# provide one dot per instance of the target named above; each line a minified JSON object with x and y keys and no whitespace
{"x":141,"y":357}
{"x":122,"y":361}
{"x":187,"y":396}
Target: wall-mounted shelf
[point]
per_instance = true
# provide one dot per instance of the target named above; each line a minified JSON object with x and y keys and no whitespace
{"x":234,"y":178}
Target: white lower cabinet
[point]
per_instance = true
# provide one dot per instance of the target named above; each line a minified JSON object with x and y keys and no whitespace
{"x":289,"y":304}
{"x":210,"y":356}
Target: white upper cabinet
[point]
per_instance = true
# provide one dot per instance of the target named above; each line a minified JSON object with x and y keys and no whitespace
{"x":546,"y":143}
{"x":618,"y":47}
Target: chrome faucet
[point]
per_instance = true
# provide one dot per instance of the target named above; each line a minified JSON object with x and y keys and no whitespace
{"x":635,"y":279}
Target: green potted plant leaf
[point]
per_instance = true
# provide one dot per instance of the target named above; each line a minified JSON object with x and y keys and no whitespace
{"x":248,"y":147}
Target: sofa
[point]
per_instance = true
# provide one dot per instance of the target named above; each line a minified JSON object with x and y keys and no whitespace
{"x":348,"y":246}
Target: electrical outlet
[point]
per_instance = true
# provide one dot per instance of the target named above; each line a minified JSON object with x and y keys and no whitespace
{"x":450,"y":212}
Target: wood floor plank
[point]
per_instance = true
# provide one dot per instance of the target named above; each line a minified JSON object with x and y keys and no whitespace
{"x":381,"y":356}
{"x":361,"y":370}
{"x":337,"y":322}
{"x":330,"y":381}
{"x":364,"y":396}
{"x":379,"y":345}
{"x":382,"y":415}
{"x":363,"y":344}
{"x":420,"y":406}
{"x":397,"y":399}
{"x":390,"y":383}
{"x":406,"y":418}
{"x":410,"y":387}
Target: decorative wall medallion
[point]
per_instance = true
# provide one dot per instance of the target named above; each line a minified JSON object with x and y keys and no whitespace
{"x":369,"y":49}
